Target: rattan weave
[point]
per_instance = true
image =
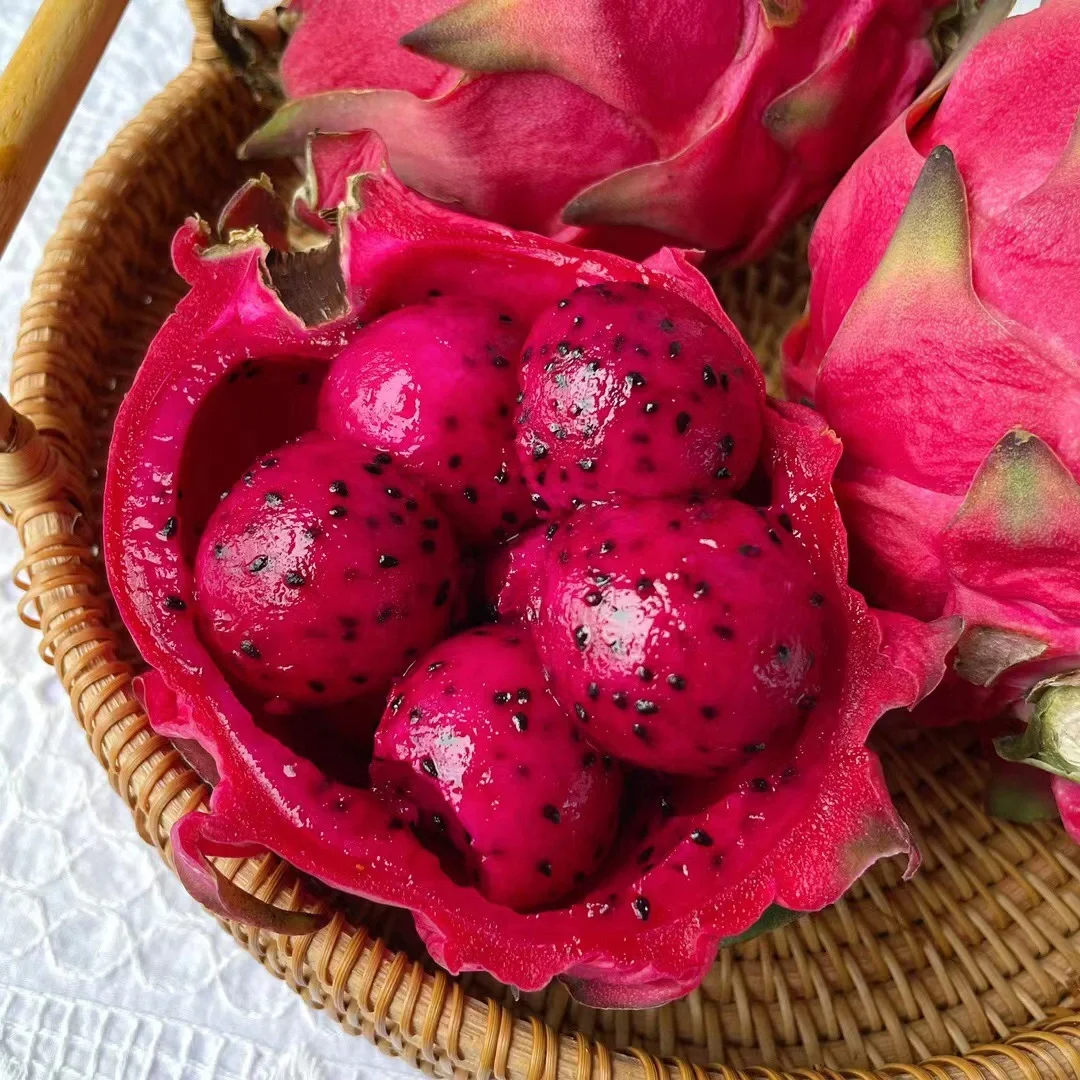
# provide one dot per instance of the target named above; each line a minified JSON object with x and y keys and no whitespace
{"x":961,"y":969}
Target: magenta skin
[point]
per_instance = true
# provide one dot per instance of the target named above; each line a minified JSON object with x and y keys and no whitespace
{"x":475,"y":745}
{"x":435,"y":384}
{"x":685,"y":636}
{"x":323,"y":574}
{"x":631,"y":390}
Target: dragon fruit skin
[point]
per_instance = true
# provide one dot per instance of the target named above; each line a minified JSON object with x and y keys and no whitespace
{"x":714,"y":125}
{"x":531,"y":807}
{"x":943,"y":345}
{"x":608,"y":406}
{"x":435,"y":384}
{"x":686,"y":637}
{"x":323,"y":574}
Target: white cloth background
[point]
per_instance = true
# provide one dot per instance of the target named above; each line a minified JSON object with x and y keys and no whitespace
{"x":108,"y":970}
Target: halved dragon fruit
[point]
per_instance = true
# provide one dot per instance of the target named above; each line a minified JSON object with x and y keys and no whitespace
{"x":792,"y":825}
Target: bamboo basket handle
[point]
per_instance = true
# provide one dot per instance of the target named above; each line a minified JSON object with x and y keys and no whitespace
{"x":32,"y":473}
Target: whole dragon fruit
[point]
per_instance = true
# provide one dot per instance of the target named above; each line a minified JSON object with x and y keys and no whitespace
{"x":632,"y":391}
{"x":435,"y":384}
{"x":943,"y":345}
{"x":791,"y":826}
{"x":616,"y":122}
{"x":322,"y":574}
{"x":474,"y":740}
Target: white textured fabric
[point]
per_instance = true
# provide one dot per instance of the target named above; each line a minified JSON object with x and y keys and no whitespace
{"x":108,"y":970}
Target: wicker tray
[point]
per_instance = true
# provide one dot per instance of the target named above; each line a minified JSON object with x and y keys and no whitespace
{"x":970,"y":969}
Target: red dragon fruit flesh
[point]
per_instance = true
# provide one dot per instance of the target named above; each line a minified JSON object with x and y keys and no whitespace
{"x":647,"y":875}
{"x":474,"y":738}
{"x":629,"y":390}
{"x":323,"y":574}
{"x":685,"y":637}
{"x":435,"y":384}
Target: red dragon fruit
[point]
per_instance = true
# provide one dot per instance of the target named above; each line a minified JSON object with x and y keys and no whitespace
{"x":323,"y":574}
{"x":789,"y":827}
{"x":686,"y":637}
{"x":715,"y":124}
{"x":943,"y":345}
{"x":632,"y":391}
{"x":474,"y":738}
{"x":435,"y":384}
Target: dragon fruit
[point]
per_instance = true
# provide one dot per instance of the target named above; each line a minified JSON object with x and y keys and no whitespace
{"x":789,"y":827}
{"x":686,"y":637}
{"x":322,"y":574}
{"x":943,"y":345}
{"x":435,"y":384}
{"x":713,"y":124}
{"x":629,"y":390}
{"x":474,"y":739}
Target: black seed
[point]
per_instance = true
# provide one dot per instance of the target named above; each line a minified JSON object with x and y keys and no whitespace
{"x":816,"y":599}
{"x":619,"y":342}
{"x":725,"y":382}
{"x":169,"y":529}
{"x":644,"y":584}
{"x":552,"y":530}
{"x":645,"y":675}
{"x":260,"y":562}
{"x":427,"y":545}
{"x":593,"y":691}
{"x":646,"y":708}
{"x":339,"y":487}
{"x":395,"y":823}
{"x":454,"y":461}
{"x":587,"y":464}
{"x":785,"y":523}
{"x":564,"y":303}
{"x":666,"y":807}
{"x":709,"y":712}
{"x":499,"y":361}
{"x":387,"y":562}
{"x":416,"y":713}
{"x":619,"y":699}
{"x":700,"y":836}
{"x":470,"y":494}
{"x":641,"y":350}
{"x":524,"y":696}
{"x":774,"y":536}
{"x":395,"y":704}
{"x":759,"y":783}
{"x":383,"y":458}
{"x":709,"y":375}
{"x":667,"y":325}
{"x":435,"y":665}
{"x":674,"y":349}
{"x":806,"y":702}
{"x":396,"y":518}
{"x":563,"y":348}
{"x":337,"y":511}
{"x":520,"y":721}
{"x":249,"y":648}
{"x":506,"y":318}
{"x":575,"y":503}
{"x":788,"y":772}
{"x":783,"y":653}
{"x":502,"y":697}
{"x":593,"y":598}
{"x":676,"y":682}
{"x":434,"y":292}
{"x":430,"y":523}
{"x":701,"y":589}
{"x":539,"y":502}
{"x":641,"y":732}
{"x":393,"y":492}
{"x":725,"y":633}
{"x":219,"y":553}
{"x":539,"y":451}
{"x":651,"y":407}
{"x":682,"y":423}
{"x":249,"y":478}
{"x":358,"y":679}
{"x":753,"y":748}
{"x":429,"y":767}
{"x":641,"y":908}
{"x":294,"y":579}
{"x":552,"y":814}
{"x":373,"y":469}
{"x":593,"y":366}
{"x":645,"y":854}
{"x":582,"y":715}
{"x":438,"y":822}
{"x":607,"y":547}
{"x":316,"y":686}
{"x":581,"y":636}
{"x":635,"y":378}
{"x":272,"y":498}
{"x":609,"y":762}
{"x":544,"y":867}
{"x":411,"y":504}
{"x":383,"y":615}
{"x":509,"y":517}
{"x":751,"y":551}
{"x":442,"y":594}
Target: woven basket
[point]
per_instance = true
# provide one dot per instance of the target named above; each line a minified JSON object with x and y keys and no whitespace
{"x":970,"y":969}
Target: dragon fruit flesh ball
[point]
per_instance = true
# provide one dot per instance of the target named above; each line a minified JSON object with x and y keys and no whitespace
{"x":323,"y":574}
{"x":474,"y":741}
{"x":435,"y":384}
{"x":683,"y":636}
{"x":631,"y":390}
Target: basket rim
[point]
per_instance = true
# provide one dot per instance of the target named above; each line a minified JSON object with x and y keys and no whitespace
{"x":45,"y":484}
